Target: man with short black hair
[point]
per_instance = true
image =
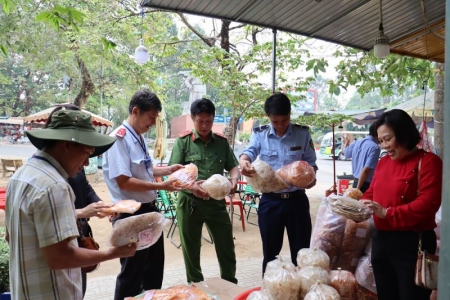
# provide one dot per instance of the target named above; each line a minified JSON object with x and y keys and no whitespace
{"x":365,"y":154}
{"x":129,"y":174}
{"x":45,"y":259}
{"x":212,"y":154}
{"x":279,"y":144}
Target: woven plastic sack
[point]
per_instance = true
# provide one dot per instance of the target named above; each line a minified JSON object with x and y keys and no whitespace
{"x":185,"y":177}
{"x":349,"y":208}
{"x":281,"y":283}
{"x":345,"y":284}
{"x":320,"y":291}
{"x":265,"y":180}
{"x":313,"y":257}
{"x":217,"y":186}
{"x":298,"y":173}
{"x":309,"y":276}
{"x":143,"y":229}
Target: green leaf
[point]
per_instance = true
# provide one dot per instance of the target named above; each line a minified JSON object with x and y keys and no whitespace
{"x":337,"y":91}
{"x":4,"y":50}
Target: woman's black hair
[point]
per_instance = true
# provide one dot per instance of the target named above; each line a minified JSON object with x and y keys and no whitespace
{"x":405,"y":130}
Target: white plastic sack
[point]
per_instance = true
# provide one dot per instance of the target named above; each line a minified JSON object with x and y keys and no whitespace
{"x":143,"y":229}
{"x":260,"y":295}
{"x":217,"y":186}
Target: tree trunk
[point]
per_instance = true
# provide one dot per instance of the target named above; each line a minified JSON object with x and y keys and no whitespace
{"x":230,"y":130}
{"x":439,"y":109}
{"x":87,"y":85}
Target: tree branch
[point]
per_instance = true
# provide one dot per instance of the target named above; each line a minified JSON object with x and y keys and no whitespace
{"x":238,"y":26}
{"x":208,"y":40}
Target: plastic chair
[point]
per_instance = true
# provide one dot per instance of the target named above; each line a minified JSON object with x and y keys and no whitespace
{"x":237,"y":202}
{"x":169,"y":205}
{"x":252,"y":201}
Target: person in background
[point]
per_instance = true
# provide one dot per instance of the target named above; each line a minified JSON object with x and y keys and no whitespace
{"x":212,"y":154}
{"x":405,"y":195}
{"x":87,"y":203}
{"x":41,"y":228}
{"x":364,"y":154}
{"x":129,"y":174}
{"x":279,"y":144}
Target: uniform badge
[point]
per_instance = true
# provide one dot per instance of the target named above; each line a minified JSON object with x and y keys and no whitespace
{"x":296,"y":148}
{"x":121,"y":132}
{"x":311,"y":144}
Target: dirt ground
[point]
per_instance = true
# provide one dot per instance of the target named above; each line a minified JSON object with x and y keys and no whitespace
{"x":248,"y":243}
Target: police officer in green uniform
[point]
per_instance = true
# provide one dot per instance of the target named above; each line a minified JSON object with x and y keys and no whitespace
{"x":212,"y":154}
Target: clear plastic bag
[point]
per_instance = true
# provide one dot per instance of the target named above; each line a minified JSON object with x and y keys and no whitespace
{"x":178,"y":292}
{"x":185,"y":177}
{"x":298,"y":173}
{"x":281,"y":262}
{"x":345,"y":284}
{"x":217,"y":186}
{"x":260,"y":295}
{"x":143,"y":229}
{"x":364,"y":274}
{"x":310,"y":275}
{"x":265,"y":180}
{"x":313,"y":257}
{"x":320,"y":291}
{"x":349,"y":208}
{"x":353,"y":193}
{"x":281,"y":283}
{"x":122,"y":206}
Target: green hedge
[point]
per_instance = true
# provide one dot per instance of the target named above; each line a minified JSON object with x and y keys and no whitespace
{"x":4,"y":262}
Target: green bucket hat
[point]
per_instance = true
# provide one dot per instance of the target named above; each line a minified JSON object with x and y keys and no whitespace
{"x":72,"y":126}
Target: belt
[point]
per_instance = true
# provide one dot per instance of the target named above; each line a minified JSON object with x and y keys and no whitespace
{"x":148,"y":204}
{"x":288,"y":195}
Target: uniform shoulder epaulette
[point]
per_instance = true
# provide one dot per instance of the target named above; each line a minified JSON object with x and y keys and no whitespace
{"x":261,"y":128}
{"x":121,"y":132}
{"x":301,"y":126}
{"x":221,"y":135}
{"x":186,"y":133}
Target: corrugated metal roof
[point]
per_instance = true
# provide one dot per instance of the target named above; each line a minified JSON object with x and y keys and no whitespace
{"x":347,"y":22}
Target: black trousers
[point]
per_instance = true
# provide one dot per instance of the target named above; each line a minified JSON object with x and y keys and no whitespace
{"x":87,"y":231}
{"x":274,"y":215}
{"x":394,"y":256}
{"x":143,"y":271}
{"x":364,"y":187}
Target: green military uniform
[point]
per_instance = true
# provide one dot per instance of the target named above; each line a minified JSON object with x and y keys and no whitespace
{"x":211,"y":158}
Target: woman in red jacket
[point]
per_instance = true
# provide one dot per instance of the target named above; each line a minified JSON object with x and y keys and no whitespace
{"x":405,"y":195}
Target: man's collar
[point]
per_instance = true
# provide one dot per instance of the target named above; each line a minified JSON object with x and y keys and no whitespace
{"x":195,"y":136}
{"x":129,"y":127}
{"x":288,"y":130}
{"x":53,"y":162}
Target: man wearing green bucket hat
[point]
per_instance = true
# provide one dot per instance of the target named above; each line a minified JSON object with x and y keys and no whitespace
{"x":45,"y":259}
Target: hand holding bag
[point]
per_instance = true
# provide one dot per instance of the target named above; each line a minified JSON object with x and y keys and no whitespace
{"x":87,"y":242}
{"x":426,"y":275}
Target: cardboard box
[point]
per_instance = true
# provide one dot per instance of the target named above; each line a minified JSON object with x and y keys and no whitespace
{"x":220,"y":288}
